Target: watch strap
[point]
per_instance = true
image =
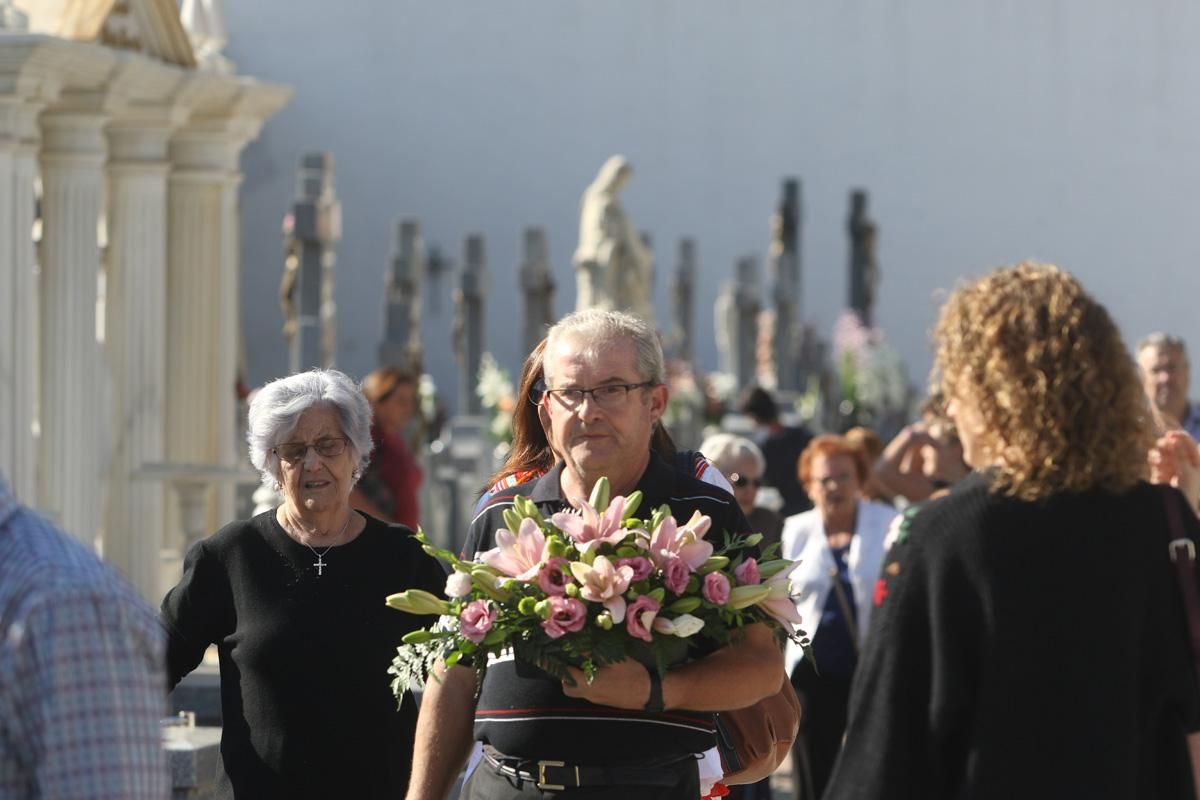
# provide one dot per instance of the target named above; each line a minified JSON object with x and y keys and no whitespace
{"x":655,"y":703}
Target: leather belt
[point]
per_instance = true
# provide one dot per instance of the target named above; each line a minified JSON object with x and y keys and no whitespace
{"x":557,"y":776}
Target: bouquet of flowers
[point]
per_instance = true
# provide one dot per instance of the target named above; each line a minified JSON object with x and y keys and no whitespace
{"x":592,"y":588}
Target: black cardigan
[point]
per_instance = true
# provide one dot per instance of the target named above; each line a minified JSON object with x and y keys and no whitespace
{"x":1032,"y":650}
{"x":308,"y":712}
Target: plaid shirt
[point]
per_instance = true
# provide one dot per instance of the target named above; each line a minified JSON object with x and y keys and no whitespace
{"x":82,"y":687}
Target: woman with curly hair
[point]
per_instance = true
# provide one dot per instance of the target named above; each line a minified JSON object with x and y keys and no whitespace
{"x":1029,"y":637}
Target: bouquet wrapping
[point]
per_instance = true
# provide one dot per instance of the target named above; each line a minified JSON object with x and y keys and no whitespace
{"x":595,"y":587}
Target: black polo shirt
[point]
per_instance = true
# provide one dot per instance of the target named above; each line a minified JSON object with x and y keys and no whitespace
{"x":522,"y":710}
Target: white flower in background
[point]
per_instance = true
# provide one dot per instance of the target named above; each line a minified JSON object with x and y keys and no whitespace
{"x":724,"y":386}
{"x":427,"y":396}
{"x":494,"y":384}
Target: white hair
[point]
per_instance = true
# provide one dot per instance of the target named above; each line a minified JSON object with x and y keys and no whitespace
{"x":724,"y":450}
{"x":278,"y":406}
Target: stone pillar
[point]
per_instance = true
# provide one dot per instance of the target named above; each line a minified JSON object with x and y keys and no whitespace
{"x":401,"y":345}
{"x":683,"y":292}
{"x":469,"y":325}
{"x":787,"y":335}
{"x":136,"y":319}
{"x":748,"y":303}
{"x":202,"y":293}
{"x":311,"y":229}
{"x":19,"y":334}
{"x":72,"y":379}
{"x":537,"y":284}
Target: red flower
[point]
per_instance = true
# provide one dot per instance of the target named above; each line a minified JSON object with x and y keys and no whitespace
{"x":881,"y":592}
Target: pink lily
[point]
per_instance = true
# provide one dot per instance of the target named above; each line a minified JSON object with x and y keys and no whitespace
{"x":518,"y":556}
{"x":779,"y":602}
{"x":685,"y":542}
{"x":590,"y":528}
{"x":604,"y":583}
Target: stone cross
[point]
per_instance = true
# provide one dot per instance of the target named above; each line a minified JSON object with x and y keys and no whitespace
{"x":749,"y":303}
{"x":401,"y":345}
{"x":436,"y":266}
{"x":864,"y":271}
{"x":787,"y":335}
{"x":306,"y":291}
{"x":537,"y":283}
{"x":683,"y":296}
{"x":469,"y":324}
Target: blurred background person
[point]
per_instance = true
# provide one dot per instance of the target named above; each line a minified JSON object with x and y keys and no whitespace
{"x":294,"y":601}
{"x":1166,"y":378}
{"x":742,"y":464}
{"x":389,"y":484}
{"x":924,"y":459}
{"x":781,"y":446}
{"x":840,"y":546}
{"x":1031,"y":639}
{"x":871,"y":446}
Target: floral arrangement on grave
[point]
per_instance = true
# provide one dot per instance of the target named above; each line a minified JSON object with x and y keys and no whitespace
{"x":873,"y":379}
{"x":496,"y":394}
{"x":595,"y":587}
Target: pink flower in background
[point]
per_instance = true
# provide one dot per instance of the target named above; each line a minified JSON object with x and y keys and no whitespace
{"x":686,"y":541}
{"x":676,"y":574}
{"x":747,"y":572}
{"x":476,"y":620}
{"x":518,"y":556}
{"x":641,"y":567}
{"x":590,"y":528}
{"x":567,"y":615}
{"x":639,"y":619}
{"x":716,"y":588}
{"x":554,"y":576}
{"x":601,"y":582}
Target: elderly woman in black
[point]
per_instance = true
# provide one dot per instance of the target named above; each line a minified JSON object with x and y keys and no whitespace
{"x":294,"y":601}
{"x":1029,"y":639}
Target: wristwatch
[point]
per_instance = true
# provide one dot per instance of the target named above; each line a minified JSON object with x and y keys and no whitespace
{"x":655,"y":704}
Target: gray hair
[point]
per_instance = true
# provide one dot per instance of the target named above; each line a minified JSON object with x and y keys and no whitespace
{"x":278,"y":406}
{"x":724,"y":450}
{"x":598,"y":328}
{"x":1163,"y":341}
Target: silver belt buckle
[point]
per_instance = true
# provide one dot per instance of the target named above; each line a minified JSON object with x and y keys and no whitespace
{"x":1191,"y":548}
{"x":553,"y":787}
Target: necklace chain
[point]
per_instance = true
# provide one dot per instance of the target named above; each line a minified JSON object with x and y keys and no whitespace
{"x":320,"y":562}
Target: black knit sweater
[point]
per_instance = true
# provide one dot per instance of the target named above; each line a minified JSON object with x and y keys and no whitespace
{"x":308,"y":712}
{"x":1031,"y":650}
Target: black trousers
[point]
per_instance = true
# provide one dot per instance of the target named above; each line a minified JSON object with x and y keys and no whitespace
{"x":824,"y":701}
{"x":485,"y":783}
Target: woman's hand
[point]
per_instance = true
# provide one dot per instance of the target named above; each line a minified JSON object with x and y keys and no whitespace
{"x":1175,"y":460}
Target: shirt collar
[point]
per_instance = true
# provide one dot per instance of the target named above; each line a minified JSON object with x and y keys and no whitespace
{"x":657,"y":480}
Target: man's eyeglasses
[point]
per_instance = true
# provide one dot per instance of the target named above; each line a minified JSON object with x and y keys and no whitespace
{"x":742,"y":481}
{"x":293,"y":452}
{"x":610,"y":395}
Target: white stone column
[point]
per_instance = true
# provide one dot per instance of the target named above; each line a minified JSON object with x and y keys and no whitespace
{"x":202,"y":296}
{"x":135,"y":319}
{"x":19,"y":333}
{"x":72,"y":379}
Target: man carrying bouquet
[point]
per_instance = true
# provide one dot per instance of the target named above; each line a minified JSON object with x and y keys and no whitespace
{"x":626,"y":732}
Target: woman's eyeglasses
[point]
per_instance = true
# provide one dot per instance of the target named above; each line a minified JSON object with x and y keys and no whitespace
{"x":742,"y":481}
{"x":293,"y":452}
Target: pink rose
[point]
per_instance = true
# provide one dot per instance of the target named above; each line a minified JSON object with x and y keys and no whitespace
{"x":641,"y":567}
{"x":567,"y":615}
{"x":639,"y":618}
{"x":716,"y":588}
{"x":747,"y":572}
{"x":553,"y":577}
{"x":476,"y":620}
{"x":676,"y":574}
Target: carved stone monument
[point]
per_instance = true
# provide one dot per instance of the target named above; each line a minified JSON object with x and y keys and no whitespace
{"x":683,"y":298}
{"x":401,"y":345}
{"x":613,"y":267}
{"x":469,"y":324}
{"x":537,"y":284}
{"x":864,"y":270}
{"x":737,"y":310}
{"x":306,"y":291}
{"x":787,"y":333}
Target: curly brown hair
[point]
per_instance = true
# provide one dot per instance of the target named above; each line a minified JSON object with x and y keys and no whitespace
{"x":1046,"y":367}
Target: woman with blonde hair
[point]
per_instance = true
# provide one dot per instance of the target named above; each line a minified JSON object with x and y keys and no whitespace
{"x":1029,"y":639}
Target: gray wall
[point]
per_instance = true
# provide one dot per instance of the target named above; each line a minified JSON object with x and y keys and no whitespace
{"x":1064,"y":130}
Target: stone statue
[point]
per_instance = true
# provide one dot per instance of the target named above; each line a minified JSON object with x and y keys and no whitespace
{"x":612,"y":265}
{"x":204,"y":21}
{"x":864,"y":271}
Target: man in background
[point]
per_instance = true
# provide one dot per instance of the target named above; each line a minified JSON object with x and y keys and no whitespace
{"x":82,"y":688}
{"x":1163,"y":362}
{"x":781,"y":446}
